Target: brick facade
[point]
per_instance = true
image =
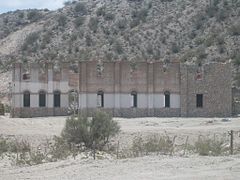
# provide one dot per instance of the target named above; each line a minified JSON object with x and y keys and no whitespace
{"x":117,"y":80}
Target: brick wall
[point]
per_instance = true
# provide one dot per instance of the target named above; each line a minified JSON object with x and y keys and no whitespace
{"x":215,"y":85}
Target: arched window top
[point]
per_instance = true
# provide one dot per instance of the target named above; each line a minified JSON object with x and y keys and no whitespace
{"x":166,"y":93}
{"x":100,"y":92}
{"x":26,"y":92}
{"x":56,"y":92}
{"x":134,"y":93}
{"x":42,"y":92}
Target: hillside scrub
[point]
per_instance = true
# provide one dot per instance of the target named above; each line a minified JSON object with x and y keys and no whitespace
{"x":93,"y":132}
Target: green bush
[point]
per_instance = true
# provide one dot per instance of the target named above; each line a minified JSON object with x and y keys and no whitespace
{"x":235,"y":29}
{"x":236,"y":59}
{"x":80,"y":8}
{"x":34,"y":15}
{"x":109,"y":17}
{"x":3,"y":146}
{"x":206,"y":147}
{"x":62,"y":20}
{"x":88,"y":40}
{"x":30,"y":41}
{"x":101,"y":11}
{"x":60,"y":149}
{"x":152,"y":144}
{"x":97,"y":130}
{"x":93,"y":24}
{"x":118,"y":48}
{"x":175,"y":48}
{"x":79,"y":21}
{"x":122,"y":24}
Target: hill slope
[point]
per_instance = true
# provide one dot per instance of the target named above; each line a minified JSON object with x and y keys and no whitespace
{"x":155,"y":30}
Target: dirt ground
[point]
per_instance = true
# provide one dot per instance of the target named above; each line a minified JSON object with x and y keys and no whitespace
{"x":37,"y":130}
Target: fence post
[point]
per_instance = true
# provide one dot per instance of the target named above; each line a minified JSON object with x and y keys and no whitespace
{"x":118,"y":150}
{"x":94,"y":150}
{"x":185,"y":146}
{"x":231,"y":142}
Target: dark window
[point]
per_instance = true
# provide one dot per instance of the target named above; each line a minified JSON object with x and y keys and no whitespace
{"x":134,"y":99}
{"x":26,"y":76}
{"x":26,"y":99}
{"x":57,"y":99}
{"x":199,"y":100}
{"x":42,"y":99}
{"x":167,"y":99}
{"x":100,"y":99}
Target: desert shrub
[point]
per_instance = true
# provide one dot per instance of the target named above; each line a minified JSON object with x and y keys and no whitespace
{"x":88,"y":40}
{"x":134,"y":23}
{"x":3,"y":146}
{"x":80,"y":8}
{"x":46,"y":38}
{"x":30,"y":41}
{"x":207,"y":146}
{"x":92,"y":132}
{"x":93,"y":24}
{"x":36,"y":158}
{"x":118,"y":48}
{"x":140,"y":15}
{"x":62,"y":20}
{"x":235,"y":29}
{"x":122,"y":24}
{"x":21,"y":15}
{"x":201,"y":53}
{"x":101,"y":11}
{"x":60,"y":149}
{"x":109,"y":17}
{"x":137,"y":147}
{"x":175,"y":48}
{"x":34,"y":15}
{"x":79,"y":21}
{"x":236,"y":59}
{"x":152,"y":144}
{"x":211,"y":11}
{"x":221,"y":15}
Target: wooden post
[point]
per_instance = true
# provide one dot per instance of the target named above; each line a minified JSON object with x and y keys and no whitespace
{"x":231,"y":142}
{"x":94,"y":150}
{"x":117,"y":149}
{"x":185,"y":146}
{"x":173,"y":144}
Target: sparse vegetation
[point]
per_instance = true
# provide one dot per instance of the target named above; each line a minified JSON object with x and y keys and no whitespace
{"x":93,"y":24}
{"x":79,"y":21}
{"x":62,"y":20}
{"x":80,"y":8}
{"x":94,"y":133}
{"x":34,"y":15}
{"x":206,"y":147}
{"x":30,"y":41}
{"x":235,"y":29}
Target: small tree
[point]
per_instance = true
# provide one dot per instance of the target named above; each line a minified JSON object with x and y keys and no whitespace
{"x":85,"y":130}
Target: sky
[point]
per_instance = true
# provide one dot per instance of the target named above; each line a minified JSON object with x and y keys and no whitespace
{"x":11,"y":5}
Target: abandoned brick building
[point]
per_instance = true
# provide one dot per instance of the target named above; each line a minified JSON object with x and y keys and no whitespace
{"x":123,"y":89}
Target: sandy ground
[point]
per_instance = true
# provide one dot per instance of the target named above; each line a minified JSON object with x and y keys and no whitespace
{"x":150,"y":167}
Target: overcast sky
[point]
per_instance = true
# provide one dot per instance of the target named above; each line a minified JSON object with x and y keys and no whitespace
{"x":11,"y":5}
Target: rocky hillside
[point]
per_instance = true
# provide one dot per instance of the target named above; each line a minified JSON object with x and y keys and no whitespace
{"x":196,"y":31}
